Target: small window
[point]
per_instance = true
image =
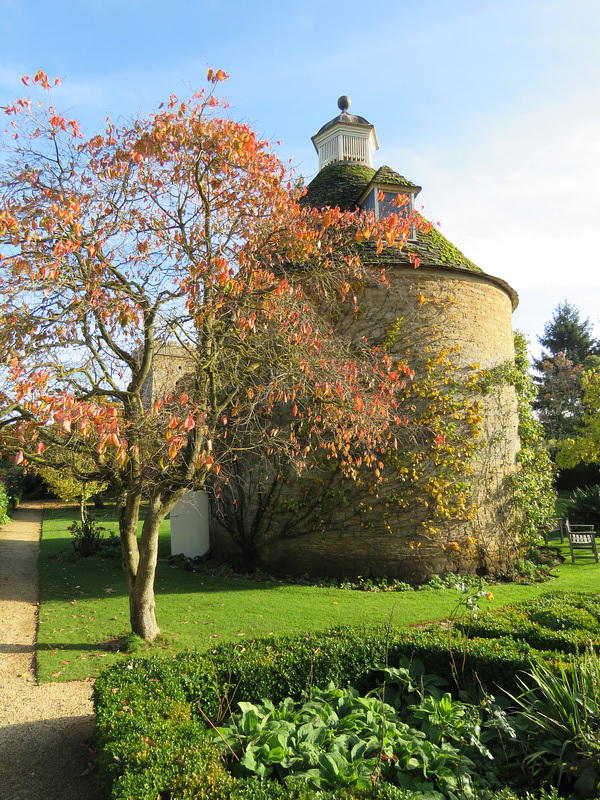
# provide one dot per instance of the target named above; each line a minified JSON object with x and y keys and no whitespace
{"x":383,"y":203}
{"x":389,"y":205}
{"x":370,"y":203}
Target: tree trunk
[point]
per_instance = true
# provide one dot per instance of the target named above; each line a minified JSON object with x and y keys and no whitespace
{"x":139,"y":559}
{"x":248,"y":558}
{"x":141,"y":599}
{"x":139,"y":565}
{"x":142,"y":613}
{"x":82,"y":514}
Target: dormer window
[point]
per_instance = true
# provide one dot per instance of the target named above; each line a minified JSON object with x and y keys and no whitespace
{"x":346,"y":145}
{"x":380,"y":196}
{"x":383,"y":202}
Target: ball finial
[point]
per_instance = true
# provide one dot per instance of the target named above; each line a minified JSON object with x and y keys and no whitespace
{"x":344,"y":103}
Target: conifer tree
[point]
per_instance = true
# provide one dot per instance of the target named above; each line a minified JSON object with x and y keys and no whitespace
{"x":568,"y":342}
{"x":567,"y":333}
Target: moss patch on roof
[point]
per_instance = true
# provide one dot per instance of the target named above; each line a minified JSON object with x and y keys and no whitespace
{"x":434,"y":248}
{"x":431,"y":248}
{"x":389,"y":177}
{"x":339,"y":184}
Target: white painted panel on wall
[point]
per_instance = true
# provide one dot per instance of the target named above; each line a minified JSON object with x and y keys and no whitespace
{"x":189,"y":525}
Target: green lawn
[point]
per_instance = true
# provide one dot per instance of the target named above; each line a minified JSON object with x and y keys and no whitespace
{"x":84,"y":616}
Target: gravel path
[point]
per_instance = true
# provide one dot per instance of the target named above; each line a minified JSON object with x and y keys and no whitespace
{"x":44,"y":729}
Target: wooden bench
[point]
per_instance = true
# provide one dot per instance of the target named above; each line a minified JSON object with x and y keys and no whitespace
{"x":581,"y":537}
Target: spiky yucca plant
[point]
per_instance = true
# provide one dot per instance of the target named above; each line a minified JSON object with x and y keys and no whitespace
{"x":558,"y":719}
{"x":584,"y":506}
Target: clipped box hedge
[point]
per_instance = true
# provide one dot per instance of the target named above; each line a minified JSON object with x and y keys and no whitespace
{"x":562,"y":622}
{"x":151,"y":736}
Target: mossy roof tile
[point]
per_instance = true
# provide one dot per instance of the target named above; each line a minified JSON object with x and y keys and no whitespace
{"x":431,"y":248}
{"x":339,"y":184}
{"x":388,"y":176}
{"x":342,"y":184}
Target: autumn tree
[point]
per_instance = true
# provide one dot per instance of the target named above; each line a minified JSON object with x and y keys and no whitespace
{"x":69,"y":479}
{"x":178,"y":233}
{"x":559,"y":400}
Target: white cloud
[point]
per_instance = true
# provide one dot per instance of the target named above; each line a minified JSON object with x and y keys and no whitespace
{"x":522,"y":200}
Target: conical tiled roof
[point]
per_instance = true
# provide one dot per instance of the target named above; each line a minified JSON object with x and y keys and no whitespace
{"x":340,"y":184}
{"x":343,"y":184}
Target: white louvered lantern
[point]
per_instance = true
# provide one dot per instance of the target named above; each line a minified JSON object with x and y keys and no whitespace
{"x":347,"y":137}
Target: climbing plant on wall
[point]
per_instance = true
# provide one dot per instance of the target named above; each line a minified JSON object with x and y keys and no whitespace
{"x":425,"y":480}
{"x":534,"y":479}
{"x":532,"y":483}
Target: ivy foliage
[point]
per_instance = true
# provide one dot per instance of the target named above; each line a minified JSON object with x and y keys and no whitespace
{"x":433,"y":475}
{"x":531,"y":485}
{"x":533,"y":482}
{"x":429,"y":479}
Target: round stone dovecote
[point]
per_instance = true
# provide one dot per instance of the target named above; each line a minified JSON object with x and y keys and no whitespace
{"x":446,"y":304}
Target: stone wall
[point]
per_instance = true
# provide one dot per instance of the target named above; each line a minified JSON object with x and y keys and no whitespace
{"x":171,"y":363}
{"x":470,"y":315}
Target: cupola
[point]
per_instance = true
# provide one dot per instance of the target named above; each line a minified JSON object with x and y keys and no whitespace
{"x":346,"y":137}
{"x":346,"y":178}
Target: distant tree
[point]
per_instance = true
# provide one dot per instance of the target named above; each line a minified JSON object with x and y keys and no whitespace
{"x":584,"y":446}
{"x":559,"y":400}
{"x":567,"y":333}
{"x":65,"y":485}
{"x":568,"y":343}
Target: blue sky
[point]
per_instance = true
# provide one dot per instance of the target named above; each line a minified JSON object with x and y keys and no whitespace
{"x":493,"y":106}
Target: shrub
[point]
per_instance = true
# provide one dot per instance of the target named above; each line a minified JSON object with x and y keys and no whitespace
{"x":4,"y":503}
{"x":154,"y":717}
{"x":150,"y":730}
{"x":87,"y":537}
{"x":559,"y":717}
{"x":563,"y":622}
{"x":13,"y":481}
{"x":584,"y":506}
